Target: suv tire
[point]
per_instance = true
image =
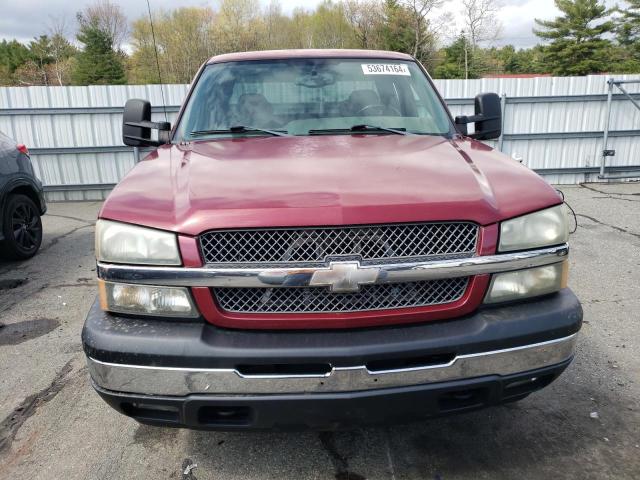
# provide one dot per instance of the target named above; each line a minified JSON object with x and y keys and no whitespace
{"x":22,"y":228}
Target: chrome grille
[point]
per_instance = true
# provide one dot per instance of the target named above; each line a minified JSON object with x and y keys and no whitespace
{"x":305,"y":246}
{"x":322,"y":300}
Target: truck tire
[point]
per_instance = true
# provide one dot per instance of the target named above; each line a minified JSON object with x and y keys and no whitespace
{"x":21,"y":227}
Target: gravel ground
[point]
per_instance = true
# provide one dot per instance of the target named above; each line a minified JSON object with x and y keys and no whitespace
{"x":584,"y":426}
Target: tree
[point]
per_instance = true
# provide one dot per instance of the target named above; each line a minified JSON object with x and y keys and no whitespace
{"x":452,"y":64}
{"x":141,"y":64}
{"x":98,"y":63}
{"x":400,"y":34}
{"x":102,"y":27}
{"x":577,"y":45}
{"x":627,"y":53}
{"x":13,"y":54}
{"x":628,"y":25}
{"x":107,"y":17}
{"x":275,"y":28}
{"x":61,"y":53}
{"x":300,"y":34}
{"x":423,"y":37}
{"x":480,"y":20}
{"x":185,"y":38}
{"x":480,"y":26}
{"x":330,"y":28}
{"x":528,"y":60}
{"x":366,"y":19}
{"x":456,"y":60}
{"x":238,"y":25}
{"x":40,"y":57}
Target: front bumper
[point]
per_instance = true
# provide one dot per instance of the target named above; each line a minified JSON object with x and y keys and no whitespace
{"x":194,"y":374}
{"x":154,"y":380}
{"x":330,"y":411}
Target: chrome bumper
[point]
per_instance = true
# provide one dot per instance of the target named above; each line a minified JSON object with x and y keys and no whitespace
{"x":150,"y":380}
{"x":220,"y":276}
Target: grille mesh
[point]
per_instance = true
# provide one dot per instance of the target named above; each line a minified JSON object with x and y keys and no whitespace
{"x":314,"y":245}
{"x":320,"y":300}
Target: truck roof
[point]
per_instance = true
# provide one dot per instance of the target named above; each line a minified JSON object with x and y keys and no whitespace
{"x":308,"y":53}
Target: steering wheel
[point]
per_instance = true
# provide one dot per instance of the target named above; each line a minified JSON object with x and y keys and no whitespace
{"x":380,"y":106}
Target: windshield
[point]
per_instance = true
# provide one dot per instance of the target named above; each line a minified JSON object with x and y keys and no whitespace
{"x":312,"y":96}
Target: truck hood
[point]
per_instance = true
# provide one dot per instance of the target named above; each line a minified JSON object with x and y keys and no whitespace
{"x":324,"y":180}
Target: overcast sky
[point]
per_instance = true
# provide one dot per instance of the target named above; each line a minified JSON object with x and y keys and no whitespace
{"x":24,"y":19}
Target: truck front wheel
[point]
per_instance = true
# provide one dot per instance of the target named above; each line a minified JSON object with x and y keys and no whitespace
{"x":21,"y":227}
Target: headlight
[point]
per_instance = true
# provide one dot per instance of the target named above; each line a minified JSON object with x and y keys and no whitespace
{"x":527,"y":283}
{"x":122,"y":243}
{"x":146,"y":300}
{"x":540,"y":229}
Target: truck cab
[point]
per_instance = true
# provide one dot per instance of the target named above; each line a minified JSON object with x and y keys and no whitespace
{"x":317,"y":243}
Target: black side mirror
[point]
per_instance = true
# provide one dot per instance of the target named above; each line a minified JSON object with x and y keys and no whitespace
{"x":137,"y":125}
{"x":488,"y":118}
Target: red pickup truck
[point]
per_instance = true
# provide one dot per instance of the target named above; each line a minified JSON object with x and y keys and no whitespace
{"x":317,"y":243}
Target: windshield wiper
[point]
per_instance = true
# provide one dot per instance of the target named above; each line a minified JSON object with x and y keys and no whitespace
{"x":363,"y":128}
{"x":239,"y":129}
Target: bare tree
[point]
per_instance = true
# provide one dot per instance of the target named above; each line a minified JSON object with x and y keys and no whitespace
{"x":480,"y":20}
{"x":481,"y":25}
{"x":184,"y":39}
{"x":237,"y":24}
{"x":61,"y":50}
{"x":419,"y":10}
{"x":109,"y":18}
{"x":365,"y":17}
{"x":36,"y":71}
{"x":272,"y":18}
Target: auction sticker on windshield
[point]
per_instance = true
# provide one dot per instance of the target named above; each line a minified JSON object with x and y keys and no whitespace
{"x":385,"y":69}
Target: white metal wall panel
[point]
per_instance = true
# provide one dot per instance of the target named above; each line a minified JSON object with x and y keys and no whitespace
{"x":559,"y":117}
{"x":89,"y":125}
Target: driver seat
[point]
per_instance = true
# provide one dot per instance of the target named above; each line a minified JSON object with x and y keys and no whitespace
{"x":358,"y":100}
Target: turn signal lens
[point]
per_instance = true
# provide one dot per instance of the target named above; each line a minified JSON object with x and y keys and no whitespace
{"x":146,"y":300}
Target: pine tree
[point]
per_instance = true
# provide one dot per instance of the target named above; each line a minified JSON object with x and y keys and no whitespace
{"x":628,"y":28}
{"x":577,"y":45}
{"x":13,"y":54}
{"x":98,"y":63}
{"x":397,"y":34}
{"x":453,"y":60}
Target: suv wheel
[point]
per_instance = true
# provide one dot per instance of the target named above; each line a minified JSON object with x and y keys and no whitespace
{"x":22,"y":228}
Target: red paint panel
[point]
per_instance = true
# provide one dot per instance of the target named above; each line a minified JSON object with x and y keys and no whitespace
{"x":324,"y":181}
{"x":190,"y":251}
{"x":309,"y":53}
{"x":488,"y":241}
{"x":467,"y":304}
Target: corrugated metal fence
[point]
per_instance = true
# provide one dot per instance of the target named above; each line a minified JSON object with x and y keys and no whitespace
{"x":555,"y":125}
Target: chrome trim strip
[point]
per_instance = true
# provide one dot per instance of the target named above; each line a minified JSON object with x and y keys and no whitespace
{"x":213,"y":276}
{"x":150,"y":380}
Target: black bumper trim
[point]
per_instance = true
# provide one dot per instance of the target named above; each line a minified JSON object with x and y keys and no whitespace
{"x":119,"y":339}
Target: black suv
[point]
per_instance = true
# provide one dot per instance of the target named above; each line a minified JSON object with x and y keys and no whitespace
{"x":21,"y":202}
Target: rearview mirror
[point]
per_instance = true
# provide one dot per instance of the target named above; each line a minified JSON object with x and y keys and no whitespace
{"x":487,"y":118}
{"x":137,"y":125}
